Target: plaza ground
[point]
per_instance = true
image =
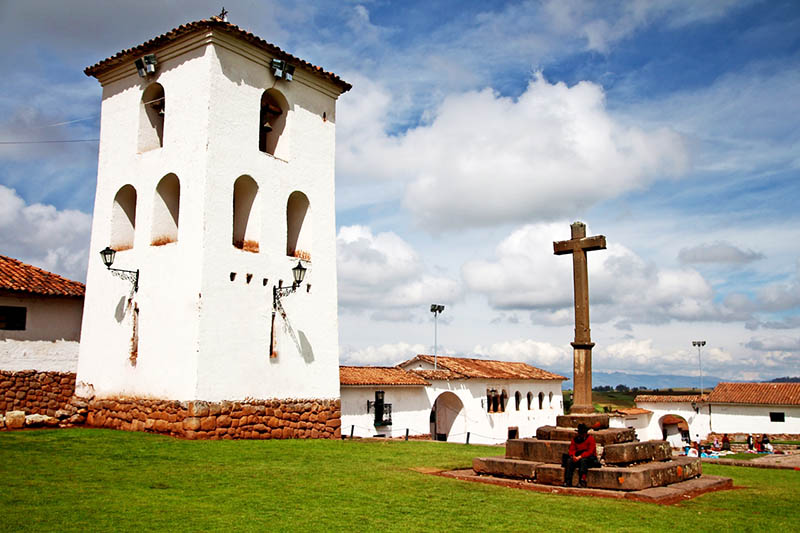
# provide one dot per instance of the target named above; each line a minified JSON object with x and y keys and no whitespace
{"x":103,"y":480}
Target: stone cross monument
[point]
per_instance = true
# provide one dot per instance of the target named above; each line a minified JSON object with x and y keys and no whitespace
{"x":578,"y":245}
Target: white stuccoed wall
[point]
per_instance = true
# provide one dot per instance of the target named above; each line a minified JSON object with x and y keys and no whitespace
{"x":699,"y":422}
{"x":736,"y":418}
{"x":411,"y":408}
{"x":51,"y":337}
{"x":201,"y":335}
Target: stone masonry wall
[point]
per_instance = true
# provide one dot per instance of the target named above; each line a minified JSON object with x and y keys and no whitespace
{"x":35,"y":392}
{"x":255,"y":419}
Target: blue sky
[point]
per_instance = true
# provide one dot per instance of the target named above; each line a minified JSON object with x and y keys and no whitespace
{"x":474,"y":134}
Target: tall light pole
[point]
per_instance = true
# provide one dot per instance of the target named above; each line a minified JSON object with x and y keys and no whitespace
{"x":436,"y":309}
{"x":700,"y":344}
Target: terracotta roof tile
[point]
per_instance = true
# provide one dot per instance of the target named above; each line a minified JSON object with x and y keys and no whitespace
{"x":673,"y":398}
{"x":632,"y":411}
{"x":214,"y":23}
{"x":378,"y":375}
{"x":440,"y":374}
{"x":487,"y":368}
{"x":756,"y":393}
{"x":20,"y":277}
{"x":674,"y":419}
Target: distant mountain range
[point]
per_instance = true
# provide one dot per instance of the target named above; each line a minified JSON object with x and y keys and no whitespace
{"x":661,"y":381}
{"x":658,"y":381}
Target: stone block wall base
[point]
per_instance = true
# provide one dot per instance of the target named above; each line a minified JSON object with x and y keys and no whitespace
{"x":35,"y":392}
{"x":255,"y":419}
{"x":592,"y":421}
{"x":603,"y":437}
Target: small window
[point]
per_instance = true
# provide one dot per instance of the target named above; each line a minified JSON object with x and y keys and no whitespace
{"x":166,"y":206}
{"x":12,"y":317}
{"x":246,"y":214}
{"x":492,"y":401}
{"x":503,"y":401}
{"x":530,"y":400}
{"x":272,"y":121}
{"x":541,"y":401}
{"x":298,"y":227}
{"x":123,"y":219}
{"x":550,"y":400}
{"x":777,"y":417}
{"x":151,"y":118}
{"x":517,"y":399}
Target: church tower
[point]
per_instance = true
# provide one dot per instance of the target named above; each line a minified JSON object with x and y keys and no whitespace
{"x":215,"y":180}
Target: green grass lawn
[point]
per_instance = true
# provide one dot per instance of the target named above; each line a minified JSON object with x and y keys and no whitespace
{"x":103,"y":480}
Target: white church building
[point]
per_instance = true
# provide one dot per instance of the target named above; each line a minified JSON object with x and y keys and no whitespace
{"x":215,"y":187}
{"x":733,"y":408}
{"x":452,"y":399}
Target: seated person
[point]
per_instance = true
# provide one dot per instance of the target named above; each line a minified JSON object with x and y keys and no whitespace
{"x":694,"y":451}
{"x":583,"y":454}
{"x":716,"y":446}
{"x":726,"y":443}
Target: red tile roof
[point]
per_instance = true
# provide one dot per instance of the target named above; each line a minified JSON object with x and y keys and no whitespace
{"x":214,"y":23}
{"x":632,"y":411}
{"x":674,"y":419}
{"x":378,"y":375}
{"x":440,"y":374}
{"x":756,"y":393}
{"x":657,"y":398}
{"x":486,"y":368}
{"x":20,"y":277}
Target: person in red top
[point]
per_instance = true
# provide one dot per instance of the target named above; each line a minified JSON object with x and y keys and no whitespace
{"x":583,"y":454}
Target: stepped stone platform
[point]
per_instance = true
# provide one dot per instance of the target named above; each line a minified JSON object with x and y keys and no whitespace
{"x":628,"y":465}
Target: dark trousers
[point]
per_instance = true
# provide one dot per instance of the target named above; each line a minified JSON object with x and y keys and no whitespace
{"x":583,"y":464}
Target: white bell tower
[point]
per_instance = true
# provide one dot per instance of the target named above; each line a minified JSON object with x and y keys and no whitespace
{"x":215,"y":179}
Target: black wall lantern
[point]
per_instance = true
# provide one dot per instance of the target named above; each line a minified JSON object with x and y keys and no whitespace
{"x":108,"y":255}
{"x":299,"y":274}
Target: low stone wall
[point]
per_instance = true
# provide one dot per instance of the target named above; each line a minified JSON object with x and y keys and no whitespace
{"x":255,"y":419}
{"x":35,"y":392}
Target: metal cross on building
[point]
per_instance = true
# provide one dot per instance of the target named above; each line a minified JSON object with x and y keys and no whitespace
{"x":578,"y":245}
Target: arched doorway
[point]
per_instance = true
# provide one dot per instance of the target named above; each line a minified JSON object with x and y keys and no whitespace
{"x":448,"y":421}
{"x":674,"y":429}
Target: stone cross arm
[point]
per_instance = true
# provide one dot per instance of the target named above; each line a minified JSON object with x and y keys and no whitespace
{"x":587,"y":244}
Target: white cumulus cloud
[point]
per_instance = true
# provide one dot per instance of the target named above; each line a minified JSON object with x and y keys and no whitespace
{"x":44,"y":236}
{"x":383,"y":273}
{"x":383,"y":355}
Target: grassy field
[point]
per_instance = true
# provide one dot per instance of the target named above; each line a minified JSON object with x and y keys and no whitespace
{"x":103,"y":480}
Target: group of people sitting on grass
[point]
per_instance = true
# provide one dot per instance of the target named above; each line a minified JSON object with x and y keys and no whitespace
{"x":718,"y":447}
{"x":759,"y":444}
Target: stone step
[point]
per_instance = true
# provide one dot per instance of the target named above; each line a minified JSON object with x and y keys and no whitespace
{"x":502,"y":466}
{"x":595,"y":421}
{"x":603,"y":437}
{"x":550,"y":451}
{"x":636,"y":477}
{"x":543,"y":451}
{"x":625,"y":478}
{"x":637,"y":452}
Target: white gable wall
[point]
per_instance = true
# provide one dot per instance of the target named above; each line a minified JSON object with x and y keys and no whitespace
{"x":699,"y":422}
{"x":737,"y":418}
{"x":50,"y":340}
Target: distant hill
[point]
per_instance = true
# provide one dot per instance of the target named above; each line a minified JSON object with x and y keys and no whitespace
{"x":785,"y":379}
{"x":660,"y":381}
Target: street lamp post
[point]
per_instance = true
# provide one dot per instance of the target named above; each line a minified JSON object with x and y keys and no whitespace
{"x":698,"y":345}
{"x":436,"y":309}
